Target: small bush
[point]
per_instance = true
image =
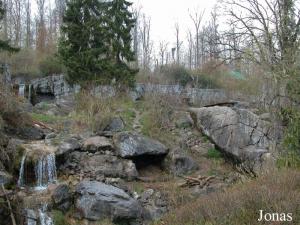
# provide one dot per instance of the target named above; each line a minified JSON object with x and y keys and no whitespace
{"x":59,"y":218}
{"x":10,"y":110}
{"x":177,"y":74}
{"x":50,"y":65}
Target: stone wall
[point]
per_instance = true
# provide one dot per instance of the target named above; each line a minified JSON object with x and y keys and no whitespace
{"x":56,"y":85}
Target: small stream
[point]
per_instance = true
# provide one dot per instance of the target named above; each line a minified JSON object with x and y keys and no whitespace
{"x":45,"y":174}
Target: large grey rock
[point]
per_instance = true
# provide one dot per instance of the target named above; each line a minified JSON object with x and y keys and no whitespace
{"x":5,"y":178}
{"x":239,"y":132}
{"x":115,"y":125}
{"x":98,"y":201}
{"x":154,"y":203}
{"x":97,"y":143}
{"x":183,"y":120}
{"x":178,"y":162}
{"x":130,"y":145}
{"x":67,"y":146}
{"x":27,"y":132}
{"x":97,"y":165}
{"x":61,"y":197}
{"x":138,"y":92}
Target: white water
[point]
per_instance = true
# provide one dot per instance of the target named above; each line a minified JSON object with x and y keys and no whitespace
{"x":21,"y":172}
{"x":40,"y":217}
{"x":45,"y":171}
{"x":44,"y":218}
{"x":29,"y":92}
{"x":22,"y":90}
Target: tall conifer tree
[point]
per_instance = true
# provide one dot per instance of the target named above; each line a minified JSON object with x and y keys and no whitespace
{"x":96,"y":41}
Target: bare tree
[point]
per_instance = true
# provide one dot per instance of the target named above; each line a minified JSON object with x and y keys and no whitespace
{"x":197,"y":19}
{"x":190,"y":48}
{"x":135,"y":34}
{"x":41,"y":26}
{"x":273,"y":26}
{"x":28,"y":39}
{"x":163,"y":47}
{"x":178,"y":43}
{"x":146,"y":42}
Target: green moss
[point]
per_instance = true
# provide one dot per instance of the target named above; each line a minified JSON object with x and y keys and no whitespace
{"x":59,"y":218}
{"x":213,"y":154}
{"x":18,"y":158}
{"x":46,"y":118}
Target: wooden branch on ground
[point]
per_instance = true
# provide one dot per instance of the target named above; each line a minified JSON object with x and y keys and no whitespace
{"x":201,"y":181}
{"x":13,"y":220}
{"x":43,"y":125}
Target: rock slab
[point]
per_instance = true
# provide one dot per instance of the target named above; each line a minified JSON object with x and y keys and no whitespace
{"x":98,"y":201}
{"x":130,"y":145}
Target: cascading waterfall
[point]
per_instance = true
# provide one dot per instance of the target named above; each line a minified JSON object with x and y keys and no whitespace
{"x":21,"y":172}
{"x":22,"y":90}
{"x":45,"y":171}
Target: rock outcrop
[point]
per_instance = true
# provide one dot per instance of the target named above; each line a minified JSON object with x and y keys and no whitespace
{"x":130,"y":145}
{"x":239,"y":133}
{"x":5,"y":178}
{"x":98,"y":143}
{"x":97,"y":166}
{"x":62,"y":197}
{"x":178,"y":162}
{"x":98,"y":201}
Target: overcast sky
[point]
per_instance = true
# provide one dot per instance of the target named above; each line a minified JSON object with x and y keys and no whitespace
{"x":165,"y":13}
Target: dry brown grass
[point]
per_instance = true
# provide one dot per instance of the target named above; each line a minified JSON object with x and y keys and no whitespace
{"x":95,"y":112}
{"x":157,"y":111}
{"x":278,"y":191}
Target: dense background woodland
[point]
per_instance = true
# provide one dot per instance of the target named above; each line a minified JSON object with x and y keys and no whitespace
{"x":204,"y":162}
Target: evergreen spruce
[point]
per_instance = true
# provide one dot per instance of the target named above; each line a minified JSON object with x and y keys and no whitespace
{"x":4,"y":44}
{"x":121,"y":23}
{"x":96,"y":42}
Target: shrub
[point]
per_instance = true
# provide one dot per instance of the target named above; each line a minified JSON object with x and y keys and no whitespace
{"x":50,"y":65}
{"x":177,"y":74}
{"x":59,"y":218}
{"x":290,"y":157}
{"x":23,"y":63}
{"x":10,"y":110}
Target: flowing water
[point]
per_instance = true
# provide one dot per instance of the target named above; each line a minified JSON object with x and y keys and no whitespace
{"x":22,"y":90}
{"x":21,"y":172}
{"x":45,"y":172}
{"x":44,"y":218}
{"x":39,"y":217}
{"x":30,"y":92}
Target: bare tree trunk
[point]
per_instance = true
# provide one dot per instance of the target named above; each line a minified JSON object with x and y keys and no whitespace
{"x":197,"y":18}
{"x":178,"y":43}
